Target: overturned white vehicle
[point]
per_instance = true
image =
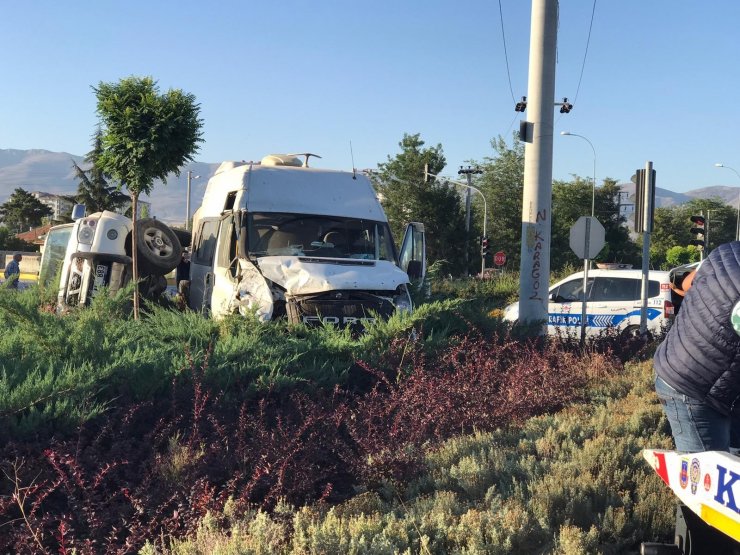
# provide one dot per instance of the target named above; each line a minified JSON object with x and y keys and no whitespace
{"x":278,"y":238}
{"x":95,"y":252}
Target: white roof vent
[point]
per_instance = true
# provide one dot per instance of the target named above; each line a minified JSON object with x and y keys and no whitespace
{"x":226,"y":166}
{"x":282,"y":160}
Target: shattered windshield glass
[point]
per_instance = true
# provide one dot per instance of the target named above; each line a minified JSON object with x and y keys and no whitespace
{"x":281,"y":234}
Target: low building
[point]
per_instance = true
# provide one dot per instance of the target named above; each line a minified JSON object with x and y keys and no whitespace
{"x":60,"y":205}
{"x":36,"y":235}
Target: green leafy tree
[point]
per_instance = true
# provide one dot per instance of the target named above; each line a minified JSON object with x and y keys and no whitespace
{"x":672,"y":227}
{"x":570,"y":201}
{"x":502,"y":182}
{"x":9,"y":242}
{"x":677,"y":256}
{"x":145,"y":136}
{"x":407,"y":196}
{"x":573,"y":199}
{"x":93,"y":190}
{"x":23,"y":211}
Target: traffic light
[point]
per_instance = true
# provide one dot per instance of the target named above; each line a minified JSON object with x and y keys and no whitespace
{"x":483,"y":246}
{"x":699,"y":231}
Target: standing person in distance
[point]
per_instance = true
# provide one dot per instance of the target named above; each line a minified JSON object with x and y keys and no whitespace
{"x":13,"y":271}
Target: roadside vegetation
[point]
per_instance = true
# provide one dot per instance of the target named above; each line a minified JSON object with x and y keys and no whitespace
{"x":438,"y":432}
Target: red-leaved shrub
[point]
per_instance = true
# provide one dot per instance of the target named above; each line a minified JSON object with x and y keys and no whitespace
{"x":153,"y":470}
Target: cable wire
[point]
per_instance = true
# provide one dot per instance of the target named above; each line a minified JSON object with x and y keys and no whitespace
{"x":506,"y":55}
{"x":588,"y":41}
{"x":510,"y":126}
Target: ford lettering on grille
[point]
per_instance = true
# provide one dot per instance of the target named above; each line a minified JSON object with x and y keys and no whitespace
{"x":336,"y":320}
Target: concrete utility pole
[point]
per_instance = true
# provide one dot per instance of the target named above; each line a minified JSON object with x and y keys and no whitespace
{"x":537,"y":196}
{"x":468,"y":173}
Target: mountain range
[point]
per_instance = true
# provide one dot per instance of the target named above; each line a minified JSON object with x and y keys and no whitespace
{"x":52,"y":172}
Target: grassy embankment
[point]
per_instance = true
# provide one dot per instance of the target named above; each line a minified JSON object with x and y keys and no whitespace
{"x":187,"y":435}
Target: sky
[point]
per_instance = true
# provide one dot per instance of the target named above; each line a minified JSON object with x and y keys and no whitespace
{"x":346,"y":79}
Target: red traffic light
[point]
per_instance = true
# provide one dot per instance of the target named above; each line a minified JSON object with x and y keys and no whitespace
{"x":700,"y":221}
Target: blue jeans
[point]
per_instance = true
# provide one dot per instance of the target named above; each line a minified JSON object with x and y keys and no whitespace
{"x":695,"y":425}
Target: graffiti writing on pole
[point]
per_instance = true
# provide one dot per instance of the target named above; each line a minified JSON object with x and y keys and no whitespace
{"x":535,"y":244}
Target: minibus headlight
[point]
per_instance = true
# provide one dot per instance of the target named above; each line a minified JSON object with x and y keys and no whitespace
{"x":86,"y":232}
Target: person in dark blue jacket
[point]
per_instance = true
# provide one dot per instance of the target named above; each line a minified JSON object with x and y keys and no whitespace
{"x":697,"y":366}
{"x":13,"y":271}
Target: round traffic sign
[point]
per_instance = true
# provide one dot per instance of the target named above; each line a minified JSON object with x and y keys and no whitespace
{"x":499,"y":259}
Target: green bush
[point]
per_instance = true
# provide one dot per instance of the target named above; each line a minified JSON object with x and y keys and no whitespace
{"x":570,"y":483}
{"x":58,"y":371}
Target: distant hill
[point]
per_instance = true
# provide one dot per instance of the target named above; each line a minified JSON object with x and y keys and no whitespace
{"x":36,"y":170}
{"x":664,"y":197}
{"x":51,"y":172}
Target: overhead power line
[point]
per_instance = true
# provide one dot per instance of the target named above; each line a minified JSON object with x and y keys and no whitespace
{"x":588,"y":41}
{"x":506,"y":55}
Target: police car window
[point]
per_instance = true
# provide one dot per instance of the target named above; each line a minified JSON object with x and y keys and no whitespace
{"x":613,"y":289}
{"x":616,"y":289}
{"x":571,"y":291}
{"x":653,"y":288}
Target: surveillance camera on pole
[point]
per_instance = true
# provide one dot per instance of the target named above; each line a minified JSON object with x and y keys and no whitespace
{"x":565,"y":106}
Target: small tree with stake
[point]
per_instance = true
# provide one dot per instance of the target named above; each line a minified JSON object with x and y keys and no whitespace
{"x":146,"y":135}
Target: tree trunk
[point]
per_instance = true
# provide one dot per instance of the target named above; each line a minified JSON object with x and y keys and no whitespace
{"x":134,"y":253}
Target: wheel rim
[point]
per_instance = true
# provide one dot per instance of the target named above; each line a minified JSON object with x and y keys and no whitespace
{"x":632,"y":331}
{"x":158,"y":243}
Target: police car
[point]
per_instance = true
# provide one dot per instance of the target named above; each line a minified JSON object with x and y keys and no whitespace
{"x":613,"y":300}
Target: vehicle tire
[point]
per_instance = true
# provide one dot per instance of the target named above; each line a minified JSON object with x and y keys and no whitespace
{"x":633,"y":332}
{"x":185,"y":237}
{"x":157,"y":246}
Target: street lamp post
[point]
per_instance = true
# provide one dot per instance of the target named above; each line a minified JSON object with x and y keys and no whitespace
{"x":593,"y":192}
{"x":737,"y":228}
{"x":187,"y":200}
{"x":586,"y":261}
{"x":468,"y":173}
{"x":485,"y":205}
